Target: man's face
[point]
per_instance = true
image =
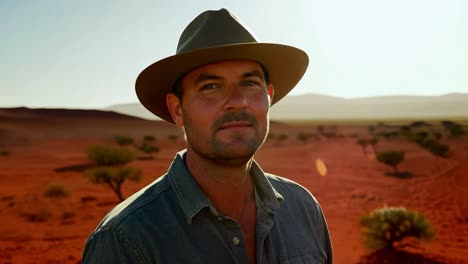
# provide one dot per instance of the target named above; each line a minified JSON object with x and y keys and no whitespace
{"x":224,"y":110}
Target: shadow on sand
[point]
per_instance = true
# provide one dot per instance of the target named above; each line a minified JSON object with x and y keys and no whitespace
{"x":76,"y":168}
{"x":384,"y":256}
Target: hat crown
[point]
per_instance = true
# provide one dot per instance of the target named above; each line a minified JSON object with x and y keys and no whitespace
{"x":213,"y":28}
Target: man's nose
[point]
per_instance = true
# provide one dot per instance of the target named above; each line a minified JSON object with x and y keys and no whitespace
{"x":235,"y":100}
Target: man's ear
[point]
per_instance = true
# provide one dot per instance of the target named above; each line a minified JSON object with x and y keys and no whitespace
{"x":271,"y":92}
{"x":174,"y":106}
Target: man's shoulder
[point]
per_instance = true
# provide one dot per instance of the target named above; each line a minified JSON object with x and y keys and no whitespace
{"x":278,"y":181}
{"x":290,"y":188}
{"x":122,"y":214}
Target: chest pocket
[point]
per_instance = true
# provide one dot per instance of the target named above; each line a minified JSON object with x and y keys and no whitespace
{"x":306,"y":257}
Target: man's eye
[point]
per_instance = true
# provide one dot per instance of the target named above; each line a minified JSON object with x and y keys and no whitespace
{"x":251,"y":83}
{"x":210,"y":86}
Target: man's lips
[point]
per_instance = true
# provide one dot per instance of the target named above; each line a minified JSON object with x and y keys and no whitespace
{"x":235,"y":124}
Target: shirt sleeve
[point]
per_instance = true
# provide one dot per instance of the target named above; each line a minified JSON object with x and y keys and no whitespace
{"x":110,"y":246}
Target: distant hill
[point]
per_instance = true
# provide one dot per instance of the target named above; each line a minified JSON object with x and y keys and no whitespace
{"x":17,"y":124}
{"x":322,"y":107}
{"x":22,"y":113}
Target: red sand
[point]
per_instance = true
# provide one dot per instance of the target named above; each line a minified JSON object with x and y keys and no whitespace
{"x":354,"y":185}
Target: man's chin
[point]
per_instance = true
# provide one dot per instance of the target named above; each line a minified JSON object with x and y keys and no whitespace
{"x":235,"y":154}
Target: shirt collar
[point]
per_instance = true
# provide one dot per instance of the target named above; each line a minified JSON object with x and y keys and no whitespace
{"x":266,"y":196}
{"x":190,"y":196}
{"x":193,"y":200}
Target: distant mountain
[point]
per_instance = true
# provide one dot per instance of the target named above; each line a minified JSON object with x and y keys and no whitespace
{"x":22,"y":113}
{"x":322,"y":107}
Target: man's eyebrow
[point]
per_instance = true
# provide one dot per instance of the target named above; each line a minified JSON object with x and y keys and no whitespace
{"x":203,"y":77}
{"x":254,"y":73}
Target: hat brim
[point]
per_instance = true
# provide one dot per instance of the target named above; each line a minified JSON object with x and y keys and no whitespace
{"x":286,"y":66}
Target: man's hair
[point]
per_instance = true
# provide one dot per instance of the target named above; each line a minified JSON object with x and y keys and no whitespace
{"x":178,"y":89}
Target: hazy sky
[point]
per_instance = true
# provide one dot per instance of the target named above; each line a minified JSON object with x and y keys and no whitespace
{"x":87,"y":54}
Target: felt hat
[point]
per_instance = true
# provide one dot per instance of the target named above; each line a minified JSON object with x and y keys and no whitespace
{"x":214,"y":36}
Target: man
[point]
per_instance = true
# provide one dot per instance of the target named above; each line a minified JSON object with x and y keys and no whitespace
{"x":215,"y":204}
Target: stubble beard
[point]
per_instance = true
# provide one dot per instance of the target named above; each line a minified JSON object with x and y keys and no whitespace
{"x":238,"y":151}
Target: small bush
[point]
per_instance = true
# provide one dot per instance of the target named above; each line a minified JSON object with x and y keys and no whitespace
{"x":419,"y":124}
{"x":56,"y":190}
{"x":391,"y":158}
{"x":437,"y":135}
{"x":148,"y":148}
{"x":149,"y":138}
{"x":39,"y":214}
{"x":281,"y":137}
{"x":422,"y":138}
{"x":123,"y":140}
{"x":304,"y":137}
{"x":363,"y":142}
{"x":384,"y":227}
{"x":4,"y":152}
{"x":405,"y":128}
{"x":417,"y":138}
{"x":104,"y":155}
{"x":114,"y":177}
{"x":454,"y":129}
{"x":436,"y":148}
{"x":387,"y":134}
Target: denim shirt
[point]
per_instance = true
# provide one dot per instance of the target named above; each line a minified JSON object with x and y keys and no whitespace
{"x":172,"y":221}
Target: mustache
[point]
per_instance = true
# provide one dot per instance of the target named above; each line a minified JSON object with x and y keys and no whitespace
{"x":233,"y":117}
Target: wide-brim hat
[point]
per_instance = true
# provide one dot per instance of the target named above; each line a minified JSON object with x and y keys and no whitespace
{"x":216,"y":36}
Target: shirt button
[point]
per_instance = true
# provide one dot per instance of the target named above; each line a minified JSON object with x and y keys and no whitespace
{"x":235,"y":241}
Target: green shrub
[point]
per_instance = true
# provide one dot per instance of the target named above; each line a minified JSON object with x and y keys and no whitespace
{"x":419,"y":124}
{"x":422,"y":139}
{"x":123,"y":140}
{"x":384,"y":227}
{"x":281,"y":137}
{"x":56,"y":190}
{"x":405,"y":128}
{"x":438,"y":135}
{"x":364,"y":142}
{"x":385,"y":134}
{"x":417,"y":138}
{"x":304,"y":137}
{"x":149,"y":138}
{"x":454,"y":129}
{"x":114,"y":177}
{"x":436,"y":148}
{"x":148,"y":148}
{"x":391,"y":158}
{"x":38,"y":214}
{"x":106,"y":155}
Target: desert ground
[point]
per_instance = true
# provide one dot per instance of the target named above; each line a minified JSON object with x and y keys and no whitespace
{"x":43,"y":146}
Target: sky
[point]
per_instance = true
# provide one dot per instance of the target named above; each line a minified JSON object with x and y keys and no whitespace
{"x":87,"y":54}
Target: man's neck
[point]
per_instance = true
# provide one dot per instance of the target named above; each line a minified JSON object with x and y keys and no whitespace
{"x":225,"y":186}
